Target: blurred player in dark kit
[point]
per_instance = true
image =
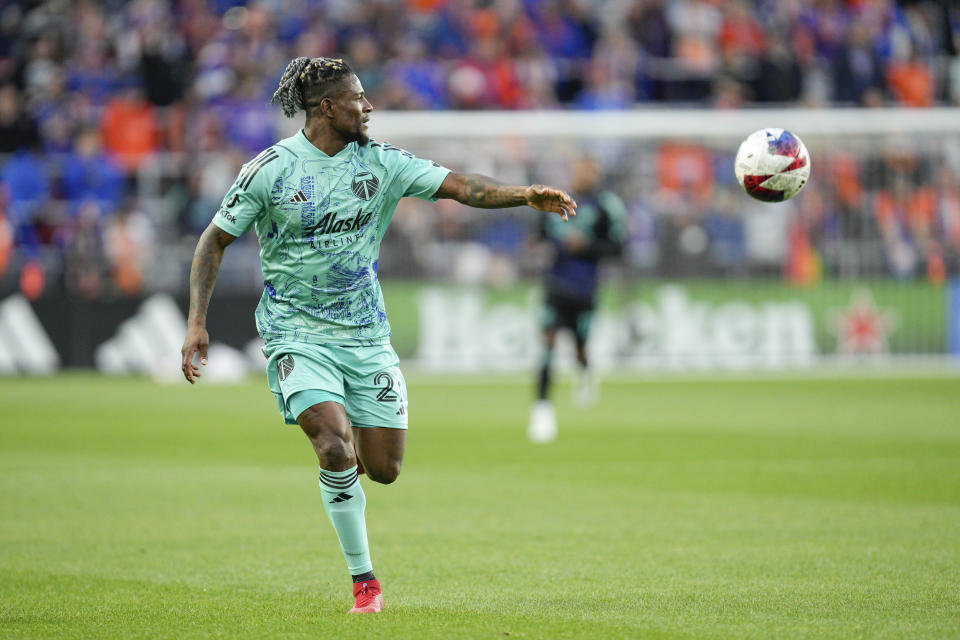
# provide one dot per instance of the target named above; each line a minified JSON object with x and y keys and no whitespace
{"x":571,"y":282}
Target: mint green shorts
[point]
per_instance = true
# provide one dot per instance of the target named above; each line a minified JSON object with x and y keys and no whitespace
{"x":366,"y":380}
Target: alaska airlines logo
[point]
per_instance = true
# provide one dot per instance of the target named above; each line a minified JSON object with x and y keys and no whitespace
{"x":365,"y":185}
{"x":330,"y":223}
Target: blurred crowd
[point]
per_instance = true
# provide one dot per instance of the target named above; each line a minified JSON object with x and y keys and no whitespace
{"x":874,"y":207}
{"x":888,"y":209}
{"x":121,"y":123}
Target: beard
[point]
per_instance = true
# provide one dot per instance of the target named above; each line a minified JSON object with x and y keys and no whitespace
{"x":357,"y":135}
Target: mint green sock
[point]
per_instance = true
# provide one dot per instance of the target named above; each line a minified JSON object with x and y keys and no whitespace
{"x":345,"y":502}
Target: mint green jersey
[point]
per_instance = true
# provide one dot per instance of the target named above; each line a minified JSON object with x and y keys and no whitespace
{"x":320,"y":220}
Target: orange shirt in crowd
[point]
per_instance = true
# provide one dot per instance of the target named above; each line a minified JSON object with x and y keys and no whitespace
{"x":685,"y":169}
{"x":6,"y":243}
{"x":129,"y":129}
{"x":911,"y":83}
{"x":742,"y":34}
{"x":845,"y":175}
{"x":915,"y":210}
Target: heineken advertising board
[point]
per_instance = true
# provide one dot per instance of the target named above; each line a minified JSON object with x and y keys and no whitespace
{"x":648,"y":325}
{"x":676,"y":325}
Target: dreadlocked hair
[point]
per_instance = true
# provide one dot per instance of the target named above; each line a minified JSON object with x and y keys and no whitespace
{"x":306,"y":81}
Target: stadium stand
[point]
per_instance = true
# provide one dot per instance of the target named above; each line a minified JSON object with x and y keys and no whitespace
{"x":122,"y":123}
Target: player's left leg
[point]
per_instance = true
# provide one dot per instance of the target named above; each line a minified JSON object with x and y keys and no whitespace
{"x":381,"y":449}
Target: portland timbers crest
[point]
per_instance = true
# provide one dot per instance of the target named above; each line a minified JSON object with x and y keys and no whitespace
{"x":284,"y":367}
{"x":365,"y":185}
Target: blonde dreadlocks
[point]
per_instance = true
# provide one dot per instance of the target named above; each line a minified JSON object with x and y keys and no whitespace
{"x":306,"y":81}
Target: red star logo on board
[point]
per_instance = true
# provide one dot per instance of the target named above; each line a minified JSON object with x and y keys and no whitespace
{"x":862,"y":328}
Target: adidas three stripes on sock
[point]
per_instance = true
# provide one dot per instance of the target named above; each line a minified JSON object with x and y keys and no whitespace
{"x":344,"y":501}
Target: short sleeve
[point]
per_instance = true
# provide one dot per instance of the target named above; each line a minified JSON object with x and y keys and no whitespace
{"x":416,"y":177}
{"x":248,"y":198}
{"x":617,"y":212}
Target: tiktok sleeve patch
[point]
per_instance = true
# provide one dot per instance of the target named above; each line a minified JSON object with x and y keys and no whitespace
{"x":247,"y":198}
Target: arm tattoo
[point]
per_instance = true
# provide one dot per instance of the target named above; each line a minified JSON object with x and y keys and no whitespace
{"x":486,"y":193}
{"x":203,"y":273}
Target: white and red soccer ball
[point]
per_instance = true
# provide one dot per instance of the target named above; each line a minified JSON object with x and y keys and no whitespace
{"x":772,"y":165}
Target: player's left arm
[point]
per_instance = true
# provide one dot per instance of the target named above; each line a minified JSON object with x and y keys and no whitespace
{"x":611,"y":229}
{"x":486,"y":193}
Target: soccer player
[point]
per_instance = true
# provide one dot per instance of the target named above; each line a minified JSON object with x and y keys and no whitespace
{"x":320,"y":202}
{"x":597,"y":232}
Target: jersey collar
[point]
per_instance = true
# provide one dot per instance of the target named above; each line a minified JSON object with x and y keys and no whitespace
{"x":312,"y":150}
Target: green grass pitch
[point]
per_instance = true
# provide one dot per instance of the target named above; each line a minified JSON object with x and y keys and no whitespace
{"x":708,"y":508}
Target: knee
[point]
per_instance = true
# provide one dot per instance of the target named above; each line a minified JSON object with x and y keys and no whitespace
{"x":335,"y":453}
{"x":384,"y":473}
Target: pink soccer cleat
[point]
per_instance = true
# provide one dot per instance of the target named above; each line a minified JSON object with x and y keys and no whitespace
{"x":367,"y":597}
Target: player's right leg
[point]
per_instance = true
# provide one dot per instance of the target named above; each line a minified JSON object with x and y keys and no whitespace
{"x":543,"y":419}
{"x":587,"y":389}
{"x":546,"y":363}
{"x":308,"y":384}
{"x":328,"y":429}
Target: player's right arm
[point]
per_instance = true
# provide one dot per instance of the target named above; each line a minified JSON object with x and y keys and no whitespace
{"x":245,"y":201}
{"x":203,"y":275}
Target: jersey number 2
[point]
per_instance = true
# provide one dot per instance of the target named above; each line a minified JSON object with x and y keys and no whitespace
{"x":386,"y":394}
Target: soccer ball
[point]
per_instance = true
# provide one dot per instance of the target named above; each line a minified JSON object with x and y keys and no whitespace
{"x":772,"y":165}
